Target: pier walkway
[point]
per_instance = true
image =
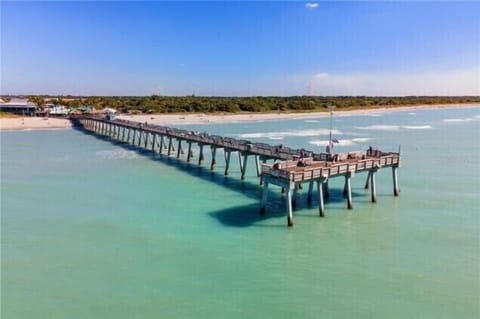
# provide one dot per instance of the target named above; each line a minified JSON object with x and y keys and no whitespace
{"x":291,"y":168}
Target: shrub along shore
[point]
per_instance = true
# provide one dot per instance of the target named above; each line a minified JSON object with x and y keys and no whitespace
{"x":178,"y":104}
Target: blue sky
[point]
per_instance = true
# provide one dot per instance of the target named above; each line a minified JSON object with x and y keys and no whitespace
{"x":240,"y":48}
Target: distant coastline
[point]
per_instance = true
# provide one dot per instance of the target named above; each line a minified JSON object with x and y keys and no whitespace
{"x":182,"y":118}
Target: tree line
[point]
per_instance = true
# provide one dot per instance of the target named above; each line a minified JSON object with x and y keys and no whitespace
{"x":171,"y":104}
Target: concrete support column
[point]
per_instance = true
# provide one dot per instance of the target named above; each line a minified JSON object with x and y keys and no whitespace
{"x":139,"y":137}
{"x":179,"y":148}
{"x":189,"y":152}
{"x":243,"y":166}
{"x":170,"y":146}
{"x":257,"y":165}
{"x":349,"y":190}
{"x":261,"y":176}
{"x":321,"y":203}
{"x":162,"y":144}
{"x":288,"y":199}
{"x":214,"y":153}
{"x":373,"y":186}
{"x":200,"y":155}
{"x":227,"y":154}
{"x":396,"y":190}
{"x":154,"y":141}
{"x":367,"y":182}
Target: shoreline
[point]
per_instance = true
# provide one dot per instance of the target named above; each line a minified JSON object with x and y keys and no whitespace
{"x":172,"y":119}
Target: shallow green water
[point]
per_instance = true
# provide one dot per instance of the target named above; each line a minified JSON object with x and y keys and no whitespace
{"x":91,"y":229}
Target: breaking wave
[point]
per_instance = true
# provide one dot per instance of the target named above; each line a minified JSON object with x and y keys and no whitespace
{"x":461,"y":120}
{"x":281,"y":135}
{"x":394,"y":127}
{"x":379,"y":127}
{"x":345,"y":142}
{"x":417,"y":127}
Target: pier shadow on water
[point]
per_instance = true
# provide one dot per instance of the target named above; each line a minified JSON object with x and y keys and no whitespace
{"x":238,"y":216}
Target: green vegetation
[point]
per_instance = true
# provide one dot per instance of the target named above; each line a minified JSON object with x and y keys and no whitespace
{"x":39,"y":101}
{"x":170,"y":104}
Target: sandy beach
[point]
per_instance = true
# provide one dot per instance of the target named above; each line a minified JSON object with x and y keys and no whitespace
{"x":33,"y":123}
{"x":37,"y":123}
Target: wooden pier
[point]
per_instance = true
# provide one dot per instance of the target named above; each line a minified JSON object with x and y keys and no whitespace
{"x":291,"y":168}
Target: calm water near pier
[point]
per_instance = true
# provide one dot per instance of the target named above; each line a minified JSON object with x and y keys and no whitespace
{"x":94,"y":229}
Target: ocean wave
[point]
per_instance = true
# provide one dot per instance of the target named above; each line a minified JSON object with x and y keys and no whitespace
{"x":281,"y":135}
{"x":417,"y":127}
{"x":375,"y":114}
{"x":412,"y":113}
{"x":116,"y":154}
{"x":453,"y":120}
{"x":361,"y":139}
{"x":379,"y":127}
{"x":394,"y":127}
{"x":344,"y":142}
{"x":312,"y":121}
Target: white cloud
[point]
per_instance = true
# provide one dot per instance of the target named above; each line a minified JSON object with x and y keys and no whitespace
{"x":311,"y":5}
{"x":449,"y":82}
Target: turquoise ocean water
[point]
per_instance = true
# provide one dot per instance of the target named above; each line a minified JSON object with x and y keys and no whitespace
{"x":94,"y":229}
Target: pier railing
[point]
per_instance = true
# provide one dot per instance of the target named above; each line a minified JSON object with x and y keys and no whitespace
{"x":315,"y":169}
{"x":268,"y":151}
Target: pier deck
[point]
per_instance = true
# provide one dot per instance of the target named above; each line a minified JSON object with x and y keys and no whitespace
{"x":291,"y":167}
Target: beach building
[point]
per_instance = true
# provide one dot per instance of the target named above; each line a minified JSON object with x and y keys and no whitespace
{"x":57,"y":110}
{"x":19,"y":107}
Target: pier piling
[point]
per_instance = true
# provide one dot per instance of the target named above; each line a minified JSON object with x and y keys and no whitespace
{"x":373,"y":186}
{"x":396,"y":191}
{"x":227,"y":155}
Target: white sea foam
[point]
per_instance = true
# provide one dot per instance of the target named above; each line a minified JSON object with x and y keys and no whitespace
{"x":467,"y":119}
{"x":412,"y":113}
{"x":375,"y":114}
{"x":281,"y":135}
{"x":394,"y":127}
{"x":344,"y":142}
{"x":379,"y":127}
{"x":361,"y":139}
{"x":417,"y":127}
{"x":116,"y":154}
{"x":312,"y":121}
{"x":453,"y":120}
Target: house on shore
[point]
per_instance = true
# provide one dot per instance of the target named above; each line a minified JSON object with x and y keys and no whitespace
{"x":19,"y":107}
{"x":56,"y":109}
